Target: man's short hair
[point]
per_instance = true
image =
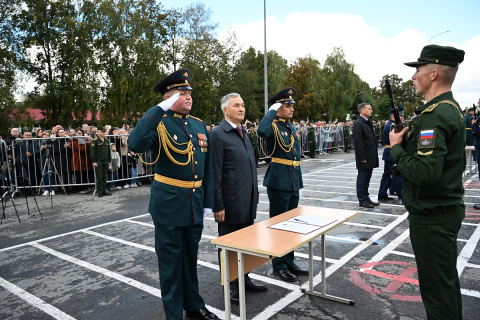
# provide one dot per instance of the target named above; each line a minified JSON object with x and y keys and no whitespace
{"x":362,"y":105}
{"x":225,"y":102}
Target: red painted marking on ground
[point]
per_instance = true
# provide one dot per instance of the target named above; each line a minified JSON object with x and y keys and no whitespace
{"x":390,"y":289}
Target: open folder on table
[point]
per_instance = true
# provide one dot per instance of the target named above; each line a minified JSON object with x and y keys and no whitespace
{"x":303,"y":224}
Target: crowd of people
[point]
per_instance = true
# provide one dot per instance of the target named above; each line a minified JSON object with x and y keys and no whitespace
{"x":60,"y":160}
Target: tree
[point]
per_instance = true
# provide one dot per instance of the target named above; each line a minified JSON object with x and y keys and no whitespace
{"x":338,"y":86}
{"x":305,"y":76}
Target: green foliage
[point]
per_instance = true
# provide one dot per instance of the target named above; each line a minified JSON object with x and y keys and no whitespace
{"x":108,"y":55}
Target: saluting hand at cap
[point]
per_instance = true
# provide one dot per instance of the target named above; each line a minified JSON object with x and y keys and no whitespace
{"x":167,"y":104}
{"x":275,"y":106}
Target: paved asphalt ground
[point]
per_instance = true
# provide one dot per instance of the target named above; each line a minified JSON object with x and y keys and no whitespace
{"x":93,"y":258}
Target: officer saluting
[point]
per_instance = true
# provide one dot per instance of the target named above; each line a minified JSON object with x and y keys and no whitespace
{"x":101,"y":159}
{"x":283,"y":178}
{"x":181,"y":194}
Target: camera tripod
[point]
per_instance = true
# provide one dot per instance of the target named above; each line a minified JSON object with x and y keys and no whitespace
{"x":8,"y":181}
{"x":49,"y":164}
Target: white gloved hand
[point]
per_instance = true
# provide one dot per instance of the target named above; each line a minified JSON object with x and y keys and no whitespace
{"x":167,"y":104}
{"x":206,"y":212}
{"x":299,"y":193}
{"x":275,"y":106}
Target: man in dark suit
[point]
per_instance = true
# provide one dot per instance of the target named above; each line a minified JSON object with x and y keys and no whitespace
{"x":181,"y":194}
{"x":235,"y":177}
{"x":366,"y":154}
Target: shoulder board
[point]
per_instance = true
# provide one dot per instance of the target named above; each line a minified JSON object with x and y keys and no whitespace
{"x":430,"y":108}
{"x":198,"y":119}
{"x":94,"y":139}
{"x":275,"y":120}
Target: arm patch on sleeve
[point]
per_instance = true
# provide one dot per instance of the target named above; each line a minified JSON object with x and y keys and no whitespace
{"x":426,"y":139}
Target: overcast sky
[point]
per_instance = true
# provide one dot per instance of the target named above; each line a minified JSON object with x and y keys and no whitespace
{"x":376,"y":36}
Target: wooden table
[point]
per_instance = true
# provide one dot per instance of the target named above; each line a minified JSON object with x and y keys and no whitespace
{"x":249,"y":248}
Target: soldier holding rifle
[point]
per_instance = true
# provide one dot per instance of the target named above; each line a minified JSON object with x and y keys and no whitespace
{"x":432,"y":164}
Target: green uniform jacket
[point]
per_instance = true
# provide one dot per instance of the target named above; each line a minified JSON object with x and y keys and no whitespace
{"x":254,"y":141}
{"x":433,"y":161}
{"x":280,"y":176}
{"x":171,"y":205}
{"x":100,"y":150}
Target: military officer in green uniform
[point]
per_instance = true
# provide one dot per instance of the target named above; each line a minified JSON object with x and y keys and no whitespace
{"x":252,"y":133}
{"x":468,"y":129}
{"x":283,"y":177}
{"x":432,"y":163}
{"x":181,"y":192}
{"x":312,"y":140}
{"x":101,"y":159}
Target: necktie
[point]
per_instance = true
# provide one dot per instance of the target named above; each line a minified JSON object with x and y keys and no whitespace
{"x":240,"y":132}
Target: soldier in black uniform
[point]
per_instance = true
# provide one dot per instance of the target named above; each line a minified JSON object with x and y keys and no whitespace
{"x":181,"y":192}
{"x":101,"y":159}
{"x":312,"y":140}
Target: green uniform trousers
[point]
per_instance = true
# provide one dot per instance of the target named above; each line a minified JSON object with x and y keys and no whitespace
{"x":101,"y":176}
{"x":177,"y":250}
{"x":435,"y":249}
{"x":282,"y":201}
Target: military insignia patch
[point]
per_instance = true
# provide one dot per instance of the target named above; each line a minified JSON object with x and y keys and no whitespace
{"x":427,"y":138}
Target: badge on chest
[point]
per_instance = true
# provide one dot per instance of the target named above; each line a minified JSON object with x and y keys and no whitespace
{"x":202,"y":142}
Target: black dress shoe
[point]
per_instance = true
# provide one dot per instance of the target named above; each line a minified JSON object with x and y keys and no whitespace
{"x":297,"y":270}
{"x":106,"y":193}
{"x":373,"y":203}
{"x":202,"y":314}
{"x":366,"y":205}
{"x":285,"y":275}
{"x":100,"y":195}
{"x":476,"y":206}
{"x":385,"y":198}
{"x":234,"y":296}
{"x":253,"y":287}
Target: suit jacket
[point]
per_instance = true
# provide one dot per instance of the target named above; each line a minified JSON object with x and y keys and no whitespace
{"x":235,"y":174}
{"x":365,"y":143}
{"x":171,"y":205}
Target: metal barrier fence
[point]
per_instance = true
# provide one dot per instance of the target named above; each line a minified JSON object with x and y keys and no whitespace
{"x":35,"y":164}
{"x":43,"y":164}
{"x":328,"y":138}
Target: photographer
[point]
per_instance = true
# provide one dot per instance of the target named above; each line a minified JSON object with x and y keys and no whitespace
{"x":62,"y":153}
{"x":46,"y":163}
{"x":28,"y":151}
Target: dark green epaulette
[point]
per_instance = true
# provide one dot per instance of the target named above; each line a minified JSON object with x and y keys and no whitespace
{"x":198,"y":119}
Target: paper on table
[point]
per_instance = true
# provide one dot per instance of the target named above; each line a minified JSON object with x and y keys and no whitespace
{"x":295,"y":227}
{"x":316,"y":221}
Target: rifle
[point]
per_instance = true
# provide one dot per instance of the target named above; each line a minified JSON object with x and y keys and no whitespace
{"x":399,"y":125}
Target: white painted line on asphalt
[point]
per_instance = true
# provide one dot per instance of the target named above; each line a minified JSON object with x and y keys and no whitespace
{"x":34,"y":301}
{"x":273,"y":309}
{"x":125,"y":242}
{"x":131,"y":282}
{"x":363,"y":225}
{"x":470,"y":293}
{"x":468,"y":250}
{"x":400,"y":253}
{"x":471,"y":265}
{"x":391,"y":246}
{"x":69,"y":233}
